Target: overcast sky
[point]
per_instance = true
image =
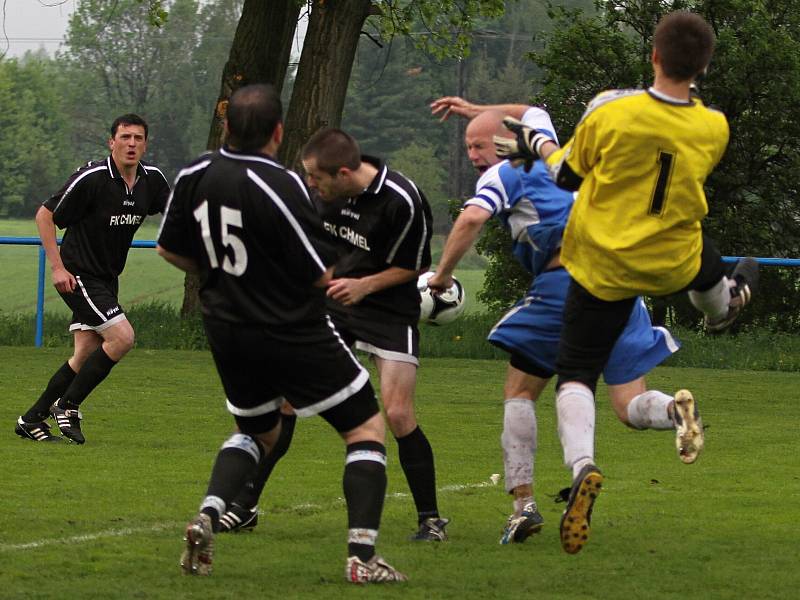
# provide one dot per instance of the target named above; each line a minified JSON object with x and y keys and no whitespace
{"x":33,"y":24}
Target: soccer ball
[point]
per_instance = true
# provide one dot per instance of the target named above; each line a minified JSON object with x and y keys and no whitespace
{"x":443,"y":308}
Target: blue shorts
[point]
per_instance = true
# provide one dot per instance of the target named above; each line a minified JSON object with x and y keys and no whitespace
{"x":532,"y":330}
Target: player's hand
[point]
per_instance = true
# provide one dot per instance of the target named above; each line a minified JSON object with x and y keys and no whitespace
{"x":453,"y":105}
{"x":440,"y":283}
{"x":525,"y":147}
{"x":63,"y":280}
{"x":347,"y":291}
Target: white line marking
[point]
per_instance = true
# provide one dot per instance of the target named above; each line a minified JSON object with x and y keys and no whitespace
{"x":112,"y":533}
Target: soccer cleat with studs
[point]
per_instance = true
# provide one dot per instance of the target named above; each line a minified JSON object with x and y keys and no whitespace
{"x":38,"y":432}
{"x":744,"y":281}
{"x":69,"y":422}
{"x":520,"y":528}
{"x":199,"y":551}
{"x":689,"y":435}
{"x":577,"y":517}
{"x":431,"y":530}
{"x":375,"y":570}
{"x":238,"y":518}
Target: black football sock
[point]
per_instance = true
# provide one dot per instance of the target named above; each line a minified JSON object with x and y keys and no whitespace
{"x":93,"y":371}
{"x":416,"y":459}
{"x":249,"y":496}
{"x":364,"y":485}
{"x":234,"y":465}
{"x":56,"y":387}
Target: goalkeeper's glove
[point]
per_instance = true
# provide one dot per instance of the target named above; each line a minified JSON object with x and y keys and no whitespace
{"x":525,"y":148}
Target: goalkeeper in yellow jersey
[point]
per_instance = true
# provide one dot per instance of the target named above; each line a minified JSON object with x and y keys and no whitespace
{"x":638,"y":159}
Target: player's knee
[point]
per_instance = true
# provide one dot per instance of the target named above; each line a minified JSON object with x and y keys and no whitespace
{"x":400,"y":417}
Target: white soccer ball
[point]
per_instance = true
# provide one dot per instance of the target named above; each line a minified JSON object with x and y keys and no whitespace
{"x":440,"y":309}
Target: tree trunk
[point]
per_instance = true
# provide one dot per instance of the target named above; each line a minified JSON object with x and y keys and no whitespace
{"x":329,"y":50}
{"x":259,"y":54}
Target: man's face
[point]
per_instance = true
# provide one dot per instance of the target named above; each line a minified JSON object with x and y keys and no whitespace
{"x":329,"y":187}
{"x":480,"y":148}
{"x":128,"y":145}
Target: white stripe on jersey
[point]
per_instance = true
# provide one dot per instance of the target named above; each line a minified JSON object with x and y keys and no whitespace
{"x":270,"y":162}
{"x":289,"y":217}
{"x":402,"y":237}
{"x":182,"y":173}
{"x":156,"y":169}
{"x":74,"y":183}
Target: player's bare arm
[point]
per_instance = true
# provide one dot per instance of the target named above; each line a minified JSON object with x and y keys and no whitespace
{"x":351,"y":291}
{"x":450,"y":105}
{"x":465,"y":231}
{"x":182,"y":262}
{"x":63,"y":280}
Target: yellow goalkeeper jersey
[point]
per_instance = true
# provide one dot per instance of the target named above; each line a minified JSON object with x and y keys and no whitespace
{"x":643,"y":159}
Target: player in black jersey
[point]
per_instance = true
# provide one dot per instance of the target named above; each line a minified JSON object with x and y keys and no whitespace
{"x":101,"y":206}
{"x":248,"y":227}
{"x":380,"y":223}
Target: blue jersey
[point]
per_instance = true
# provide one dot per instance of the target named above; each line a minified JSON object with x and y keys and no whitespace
{"x":531,"y":208}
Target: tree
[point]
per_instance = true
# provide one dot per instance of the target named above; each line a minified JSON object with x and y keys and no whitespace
{"x":326,"y":61}
{"x":34,"y":143}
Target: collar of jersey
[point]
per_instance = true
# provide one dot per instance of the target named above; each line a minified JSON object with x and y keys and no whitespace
{"x":114,"y":173}
{"x":662,"y":97}
{"x":376,"y":185}
{"x":237,"y":155}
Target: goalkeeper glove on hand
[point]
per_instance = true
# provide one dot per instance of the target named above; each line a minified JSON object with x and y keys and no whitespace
{"x":525,"y":148}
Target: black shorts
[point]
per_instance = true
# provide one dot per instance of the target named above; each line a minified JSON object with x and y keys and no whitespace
{"x":591,"y":328}
{"x":94,"y":304}
{"x":382,"y":338}
{"x":308,"y":365}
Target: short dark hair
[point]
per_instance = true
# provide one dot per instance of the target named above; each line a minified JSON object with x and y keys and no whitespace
{"x":333,"y":149}
{"x":128,"y":119}
{"x":685,"y":43}
{"x":253,"y":113}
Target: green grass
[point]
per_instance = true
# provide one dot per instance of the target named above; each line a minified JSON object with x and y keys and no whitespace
{"x":146,"y":278}
{"x":105,"y":519}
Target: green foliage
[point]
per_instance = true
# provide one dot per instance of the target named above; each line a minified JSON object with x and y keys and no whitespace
{"x":753,"y":79}
{"x":168,"y":74}
{"x":159,"y":326}
{"x":418,"y":162}
{"x":446,"y":24}
{"x":34,"y":134}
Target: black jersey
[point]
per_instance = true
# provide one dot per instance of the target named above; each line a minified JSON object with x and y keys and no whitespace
{"x":251,"y":227}
{"x":388,"y":225}
{"x":102,"y":215}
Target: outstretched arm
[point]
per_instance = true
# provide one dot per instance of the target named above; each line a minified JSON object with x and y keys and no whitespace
{"x":465,"y":231}
{"x":455,"y":105}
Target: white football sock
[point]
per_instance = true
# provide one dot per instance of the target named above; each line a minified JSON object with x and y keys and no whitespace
{"x":575,"y":410}
{"x":519,"y":441}
{"x":650,"y":411}
{"x":713,"y":303}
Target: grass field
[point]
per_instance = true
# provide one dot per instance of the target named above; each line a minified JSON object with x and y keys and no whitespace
{"x":105,"y":519}
{"x":146,"y":278}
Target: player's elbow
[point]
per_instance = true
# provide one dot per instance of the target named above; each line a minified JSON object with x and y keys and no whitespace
{"x":566,"y":178}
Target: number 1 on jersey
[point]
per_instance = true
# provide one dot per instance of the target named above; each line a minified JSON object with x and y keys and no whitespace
{"x":666,"y":161}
